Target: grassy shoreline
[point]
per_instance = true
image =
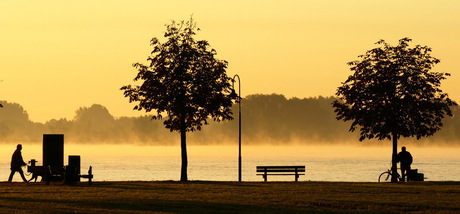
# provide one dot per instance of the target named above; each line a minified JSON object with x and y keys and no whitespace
{"x":230,"y":197}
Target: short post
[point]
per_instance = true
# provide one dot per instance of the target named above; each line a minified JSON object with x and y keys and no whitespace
{"x":90,"y":174}
{"x":32,"y":165}
{"x":32,"y":162}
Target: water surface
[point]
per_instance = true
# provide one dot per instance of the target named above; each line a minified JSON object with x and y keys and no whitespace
{"x":220,"y":163}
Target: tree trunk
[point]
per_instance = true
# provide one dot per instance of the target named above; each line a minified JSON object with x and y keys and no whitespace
{"x":394,"y":160}
{"x":183,"y":131}
{"x":183,"y":146}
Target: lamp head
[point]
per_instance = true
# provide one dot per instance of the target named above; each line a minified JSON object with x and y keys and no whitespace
{"x":235,"y":96}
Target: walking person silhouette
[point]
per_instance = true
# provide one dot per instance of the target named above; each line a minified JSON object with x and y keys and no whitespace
{"x":16,"y":163}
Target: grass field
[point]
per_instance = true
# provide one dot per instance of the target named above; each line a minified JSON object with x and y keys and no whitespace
{"x":231,"y":197}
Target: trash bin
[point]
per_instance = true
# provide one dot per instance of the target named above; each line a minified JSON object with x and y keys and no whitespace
{"x":420,"y":177}
{"x":70,"y":177}
{"x":413,"y":175}
{"x":75,"y":161}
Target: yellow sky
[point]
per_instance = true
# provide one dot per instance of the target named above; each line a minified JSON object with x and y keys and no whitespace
{"x":57,"y":56}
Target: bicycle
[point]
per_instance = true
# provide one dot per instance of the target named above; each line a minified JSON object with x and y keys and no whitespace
{"x":386,"y":176}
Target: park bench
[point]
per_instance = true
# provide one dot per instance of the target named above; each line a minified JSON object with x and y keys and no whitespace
{"x":71,"y":177}
{"x":280,"y":170}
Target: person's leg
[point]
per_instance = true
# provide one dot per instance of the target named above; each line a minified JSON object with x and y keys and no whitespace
{"x":22,"y":175}
{"x":403,"y":173}
{"x":11,"y":176}
{"x":408,"y":171}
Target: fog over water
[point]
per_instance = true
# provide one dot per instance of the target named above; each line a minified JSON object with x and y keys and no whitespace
{"x":266,"y":119}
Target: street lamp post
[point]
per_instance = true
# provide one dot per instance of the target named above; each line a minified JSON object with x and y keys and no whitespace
{"x":239,"y":121}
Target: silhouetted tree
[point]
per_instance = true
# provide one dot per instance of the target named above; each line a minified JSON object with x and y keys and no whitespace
{"x":185,"y":80}
{"x":93,"y":122}
{"x":393,"y":94}
{"x":15,"y":124}
{"x":59,"y":126}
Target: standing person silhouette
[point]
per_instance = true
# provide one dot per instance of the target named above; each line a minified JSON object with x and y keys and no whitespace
{"x":16,"y":163}
{"x":405,"y":158}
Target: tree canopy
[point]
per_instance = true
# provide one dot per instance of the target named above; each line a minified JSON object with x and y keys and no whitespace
{"x":393,"y":90}
{"x":183,"y":80}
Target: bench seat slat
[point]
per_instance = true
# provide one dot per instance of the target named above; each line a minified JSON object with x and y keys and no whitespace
{"x":280,"y":166}
{"x":281,"y":170}
{"x":280,"y":174}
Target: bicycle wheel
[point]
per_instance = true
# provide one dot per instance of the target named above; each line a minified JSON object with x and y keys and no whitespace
{"x":385,"y":177}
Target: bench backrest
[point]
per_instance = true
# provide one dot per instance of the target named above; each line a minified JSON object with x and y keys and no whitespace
{"x":280,"y":168}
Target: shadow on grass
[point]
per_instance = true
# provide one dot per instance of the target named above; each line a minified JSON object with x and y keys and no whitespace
{"x":144,"y":186}
{"x":151,"y":206}
{"x":140,"y":185}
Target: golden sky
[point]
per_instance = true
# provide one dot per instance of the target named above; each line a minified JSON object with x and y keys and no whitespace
{"x":57,"y":56}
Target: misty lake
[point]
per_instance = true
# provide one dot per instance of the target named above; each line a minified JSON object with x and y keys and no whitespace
{"x":220,"y":163}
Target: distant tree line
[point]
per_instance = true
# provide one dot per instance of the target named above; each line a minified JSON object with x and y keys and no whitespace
{"x":266,"y":118}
